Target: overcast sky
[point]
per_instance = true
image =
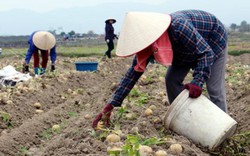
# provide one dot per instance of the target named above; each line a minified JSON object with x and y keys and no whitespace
{"x":14,"y":13}
{"x":48,"y":5}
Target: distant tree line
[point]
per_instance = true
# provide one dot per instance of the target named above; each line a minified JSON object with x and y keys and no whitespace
{"x":243,"y":27}
{"x":74,"y":35}
{"x":236,"y":31}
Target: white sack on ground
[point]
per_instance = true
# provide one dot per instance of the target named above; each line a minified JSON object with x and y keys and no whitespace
{"x":9,"y":76}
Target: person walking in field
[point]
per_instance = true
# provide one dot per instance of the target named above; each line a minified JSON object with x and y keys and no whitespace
{"x":44,"y":42}
{"x":109,"y":36}
{"x":185,"y":40}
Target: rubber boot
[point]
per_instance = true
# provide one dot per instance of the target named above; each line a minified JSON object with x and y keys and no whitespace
{"x":42,"y":71}
{"x":37,"y":71}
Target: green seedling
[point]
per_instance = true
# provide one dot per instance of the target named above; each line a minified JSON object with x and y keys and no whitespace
{"x":45,"y":135}
{"x":72,"y":114}
{"x":143,"y":99}
{"x":134,"y":93}
{"x":161,"y":71}
{"x":132,"y":143}
{"x":115,"y":153}
{"x":102,"y":133}
{"x":6,"y":118}
{"x":234,"y":146}
{"x":93,"y":133}
{"x":148,"y":80}
{"x":23,"y":150}
{"x":248,"y":110}
{"x":119,"y":114}
{"x":48,"y":133}
{"x":19,"y":68}
{"x":51,"y":74}
{"x":153,"y":141}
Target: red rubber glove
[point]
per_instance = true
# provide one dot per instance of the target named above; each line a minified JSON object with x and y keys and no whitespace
{"x":194,"y":90}
{"x":105,"y":115}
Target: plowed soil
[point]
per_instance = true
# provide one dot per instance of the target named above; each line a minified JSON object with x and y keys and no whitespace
{"x":72,"y":99}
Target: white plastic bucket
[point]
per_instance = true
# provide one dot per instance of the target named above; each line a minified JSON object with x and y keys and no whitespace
{"x":199,"y":120}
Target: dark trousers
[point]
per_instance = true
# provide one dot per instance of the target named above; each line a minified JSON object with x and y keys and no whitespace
{"x":110,"y":48}
{"x":215,"y":84}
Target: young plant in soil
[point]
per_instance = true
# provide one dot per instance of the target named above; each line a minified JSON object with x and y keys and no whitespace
{"x":133,"y":93}
{"x":55,"y":129}
{"x":133,"y":142}
{"x":6,"y":118}
{"x":72,"y":114}
{"x":137,"y":97}
{"x":143,"y":99}
{"x":234,"y":146}
{"x":117,"y":117}
{"x":102,"y":133}
{"x":23,"y":150}
{"x":46,"y":134}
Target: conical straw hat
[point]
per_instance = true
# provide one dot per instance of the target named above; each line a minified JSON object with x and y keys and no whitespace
{"x":110,"y":18}
{"x":44,"y":40}
{"x":139,"y":30}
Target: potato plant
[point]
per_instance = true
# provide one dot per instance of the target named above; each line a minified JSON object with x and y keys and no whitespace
{"x":6,"y":117}
{"x":234,"y":146}
{"x":135,"y":145}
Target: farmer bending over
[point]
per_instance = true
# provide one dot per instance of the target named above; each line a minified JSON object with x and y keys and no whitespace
{"x":44,"y":42}
{"x":184,"y":40}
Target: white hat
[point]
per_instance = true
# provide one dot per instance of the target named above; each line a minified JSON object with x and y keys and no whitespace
{"x":44,"y":40}
{"x":110,"y":19}
{"x":139,"y":30}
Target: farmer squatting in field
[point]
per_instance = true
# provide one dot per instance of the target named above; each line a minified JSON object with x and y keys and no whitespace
{"x":109,"y":35}
{"x":44,"y":42}
{"x":184,"y":40}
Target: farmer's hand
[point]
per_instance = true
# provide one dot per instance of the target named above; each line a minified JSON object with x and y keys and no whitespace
{"x":116,"y":37}
{"x":107,"y":40}
{"x":194,"y":90}
{"x":53,"y":68}
{"x":25,"y":68}
{"x":105,"y":115}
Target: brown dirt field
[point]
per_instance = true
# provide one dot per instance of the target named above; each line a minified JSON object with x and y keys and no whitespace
{"x":68,"y":96}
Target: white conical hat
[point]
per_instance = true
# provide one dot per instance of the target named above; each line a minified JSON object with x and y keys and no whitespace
{"x":44,"y":40}
{"x":139,"y":30}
